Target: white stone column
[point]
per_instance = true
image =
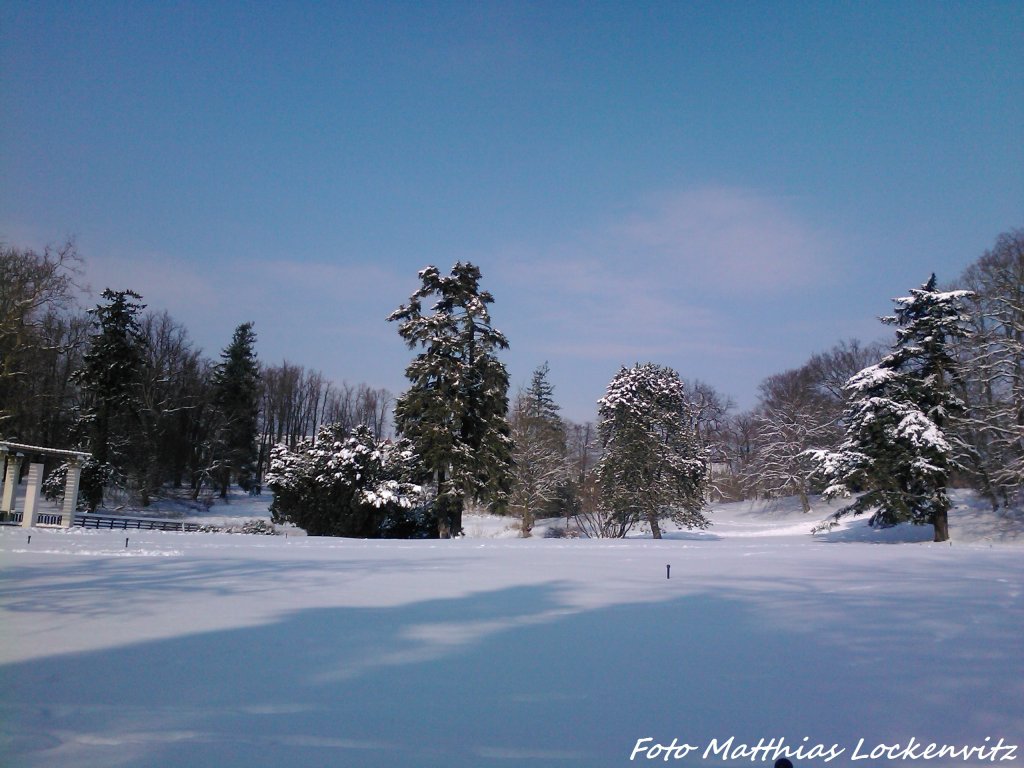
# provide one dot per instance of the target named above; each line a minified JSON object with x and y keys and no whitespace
{"x":11,"y":483}
{"x":70,"y":505}
{"x":33,"y":483}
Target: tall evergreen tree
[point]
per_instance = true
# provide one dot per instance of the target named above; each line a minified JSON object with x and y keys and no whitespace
{"x":110,"y":378}
{"x":540,"y":470}
{"x":896,"y":452}
{"x":236,"y":397}
{"x":653,"y":466}
{"x":540,"y":396}
{"x":455,"y":409}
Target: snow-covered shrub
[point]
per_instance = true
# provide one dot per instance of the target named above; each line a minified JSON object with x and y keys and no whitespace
{"x":258,"y":527}
{"x":352,"y":485}
{"x":253,"y":527}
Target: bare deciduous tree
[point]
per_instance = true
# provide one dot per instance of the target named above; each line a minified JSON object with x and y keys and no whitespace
{"x":793,"y":417}
{"x":993,"y":357}
{"x":296,"y":402}
{"x":36,"y":292}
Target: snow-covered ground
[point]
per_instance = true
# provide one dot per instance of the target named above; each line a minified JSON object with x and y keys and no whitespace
{"x":231,"y":650}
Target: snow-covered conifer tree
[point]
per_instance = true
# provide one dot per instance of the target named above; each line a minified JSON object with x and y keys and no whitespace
{"x":540,"y":470}
{"x":653,"y":466}
{"x":896,"y":452}
{"x":455,"y":409}
{"x":236,"y":392}
{"x":110,"y":378}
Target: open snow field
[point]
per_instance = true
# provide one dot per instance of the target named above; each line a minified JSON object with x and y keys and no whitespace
{"x":229,"y":650}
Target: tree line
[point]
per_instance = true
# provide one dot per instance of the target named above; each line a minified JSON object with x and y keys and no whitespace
{"x":129,"y":385}
{"x":890,"y":424}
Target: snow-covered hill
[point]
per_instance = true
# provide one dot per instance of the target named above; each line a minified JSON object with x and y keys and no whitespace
{"x":231,"y":650}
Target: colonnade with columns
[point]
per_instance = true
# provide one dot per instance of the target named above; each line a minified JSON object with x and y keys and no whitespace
{"x":12,"y":458}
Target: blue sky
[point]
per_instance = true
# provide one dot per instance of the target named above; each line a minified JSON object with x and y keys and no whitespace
{"x":721,"y":187}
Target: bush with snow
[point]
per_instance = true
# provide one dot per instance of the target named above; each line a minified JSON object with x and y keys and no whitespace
{"x":349,"y":485}
{"x":251,"y":527}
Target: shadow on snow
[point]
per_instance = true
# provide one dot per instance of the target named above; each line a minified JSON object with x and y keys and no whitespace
{"x":516,"y":677}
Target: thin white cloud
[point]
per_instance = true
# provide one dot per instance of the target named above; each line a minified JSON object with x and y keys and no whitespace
{"x":163,"y":280}
{"x":354,"y":281}
{"x":662,"y":282}
{"x":341,"y":303}
{"x":325,"y":316}
{"x":734,"y":241}
{"x":590,"y":309}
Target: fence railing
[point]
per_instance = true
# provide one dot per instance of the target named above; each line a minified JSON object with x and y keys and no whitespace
{"x":113,"y":522}
{"x":43,"y":519}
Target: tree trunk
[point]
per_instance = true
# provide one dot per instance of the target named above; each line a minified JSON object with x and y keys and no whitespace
{"x":455,"y":519}
{"x":527,"y":525}
{"x":441,"y":503}
{"x":940,"y":521}
{"x":655,"y":527}
{"x":444,"y":517}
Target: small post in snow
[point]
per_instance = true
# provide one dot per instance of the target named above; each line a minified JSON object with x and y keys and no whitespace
{"x":668,"y":571}
{"x":126,"y":542}
{"x":30,"y":538}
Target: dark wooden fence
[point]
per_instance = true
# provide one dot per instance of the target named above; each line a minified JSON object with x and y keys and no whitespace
{"x":113,"y":522}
